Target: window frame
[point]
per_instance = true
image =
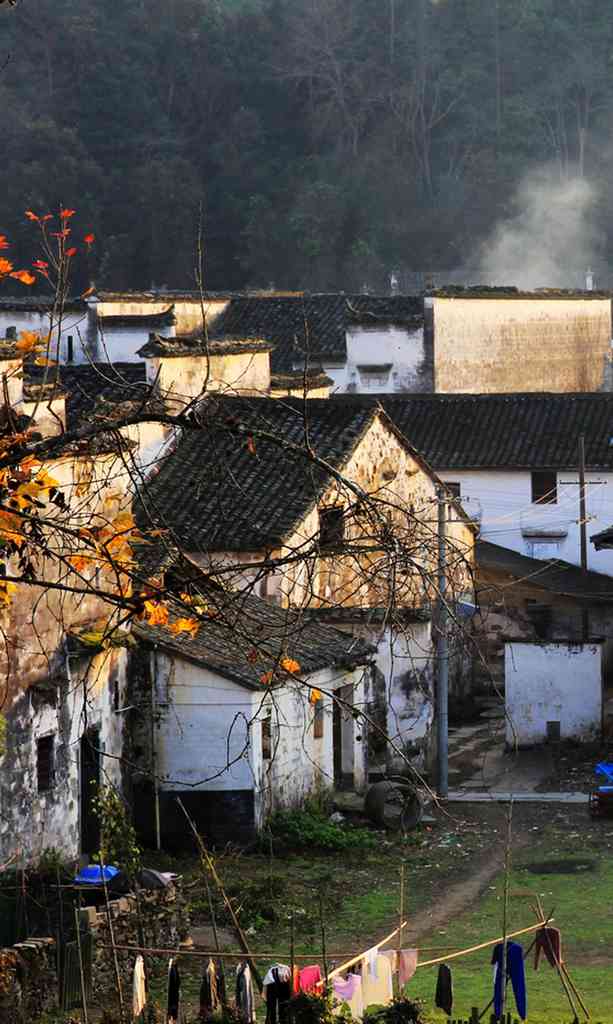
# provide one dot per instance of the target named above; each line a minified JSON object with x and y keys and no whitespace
{"x":45,"y":756}
{"x":541,"y":491}
{"x":336,"y":538}
{"x":318,"y":719}
{"x":266,"y":737}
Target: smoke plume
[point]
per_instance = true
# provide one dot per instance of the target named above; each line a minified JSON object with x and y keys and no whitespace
{"x":551,"y":238}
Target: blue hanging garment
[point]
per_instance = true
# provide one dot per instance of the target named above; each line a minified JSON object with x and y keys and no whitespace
{"x":515,"y":972}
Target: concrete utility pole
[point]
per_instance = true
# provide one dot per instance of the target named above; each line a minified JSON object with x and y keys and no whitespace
{"x":442,"y":652}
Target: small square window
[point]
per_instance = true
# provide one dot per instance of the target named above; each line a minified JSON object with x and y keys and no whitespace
{"x":331,"y":526}
{"x":544,"y":487}
{"x":318,"y":719}
{"x":267,"y":738}
{"x":454,"y":487}
{"x":45,"y":763}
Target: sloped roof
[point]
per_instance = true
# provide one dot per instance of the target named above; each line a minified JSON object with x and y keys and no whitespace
{"x":218,"y":492}
{"x":603,"y":539}
{"x":244,"y":624}
{"x":314,"y":324}
{"x":505,"y":431}
{"x":193,"y":345}
{"x":553,"y":575}
{"x":90,"y":388}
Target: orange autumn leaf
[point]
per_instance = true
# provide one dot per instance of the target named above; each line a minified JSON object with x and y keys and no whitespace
{"x":251,"y":445}
{"x":157,"y":614}
{"x":5,"y":266}
{"x":31,"y":216}
{"x":24,"y":276}
{"x":315,"y":696}
{"x":88,"y":239}
{"x":3,"y":242}
{"x":65,"y":214}
{"x":267,"y":678}
{"x":28,"y":340}
{"x":290,"y":665}
{"x":40,"y":264}
{"x":72,"y":251}
{"x":5,"y":592}
{"x":190,"y":626}
{"x":43,"y":361}
{"x":79,"y":562}
{"x":87,"y":292}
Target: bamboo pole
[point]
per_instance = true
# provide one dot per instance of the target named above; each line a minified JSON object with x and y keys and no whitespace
{"x":292,"y":949}
{"x":505,"y":906}
{"x":481,"y":945}
{"x":539,"y":913}
{"x":209,"y":897}
{"x":400,"y":920}
{"x":207,"y":860}
{"x":113,"y":946}
{"x":323,"y":939}
{"x":81,"y":972}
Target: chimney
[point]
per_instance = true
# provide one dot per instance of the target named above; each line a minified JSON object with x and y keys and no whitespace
{"x":393,"y":283}
{"x":11,"y":333}
{"x":589,"y":281}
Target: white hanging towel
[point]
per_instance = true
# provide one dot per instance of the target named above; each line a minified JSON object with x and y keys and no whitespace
{"x":139,"y":994}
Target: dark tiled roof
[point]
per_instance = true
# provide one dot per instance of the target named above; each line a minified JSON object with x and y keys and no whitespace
{"x":508,"y":431}
{"x":295,"y":379}
{"x":91,"y":388}
{"x":166,"y":318}
{"x":244,"y":624}
{"x":217,"y":495}
{"x":316,"y":324}
{"x":554,"y":575}
{"x":192,"y":345}
{"x":483,"y":291}
{"x":37,"y":303}
{"x":603,"y":539}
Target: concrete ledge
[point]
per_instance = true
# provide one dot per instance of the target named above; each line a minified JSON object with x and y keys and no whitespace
{"x":466,"y":797}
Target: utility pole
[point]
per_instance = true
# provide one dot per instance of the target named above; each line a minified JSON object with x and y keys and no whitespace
{"x":585,"y":624}
{"x":442,"y":652}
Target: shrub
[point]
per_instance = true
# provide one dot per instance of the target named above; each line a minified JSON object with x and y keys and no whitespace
{"x":400,"y":1011}
{"x":303,"y":828}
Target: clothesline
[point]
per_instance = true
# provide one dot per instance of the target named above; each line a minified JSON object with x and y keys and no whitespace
{"x":356,"y":959}
{"x":482,"y":945}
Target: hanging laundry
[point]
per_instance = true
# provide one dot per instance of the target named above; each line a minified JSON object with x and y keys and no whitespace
{"x":407,"y":965}
{"x":349,"y":991}
{"x":309,"y":978}
{"x":139,"y":992}
{"x":444,"y":989}
{"x":174,"y":992}
{"x":392,"y":956}
{"x":278,"y":992}
{"x":372,"y":960}
{"x":296,"y":980}
{"x":515,"y":972}
{"x":245,"y":1002}
{"x":549,"y":942}
{"x":377,"y":989}
{"x":209,"y":994}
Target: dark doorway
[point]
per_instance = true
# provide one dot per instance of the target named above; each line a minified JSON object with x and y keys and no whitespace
{"x":90,"y":780}
{"x":342,"y":739}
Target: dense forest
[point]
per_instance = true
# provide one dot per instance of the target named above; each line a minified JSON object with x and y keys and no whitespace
{"x":328,"y":142}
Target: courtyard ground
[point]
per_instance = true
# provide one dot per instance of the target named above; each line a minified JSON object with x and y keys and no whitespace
{"x":454,"y":890}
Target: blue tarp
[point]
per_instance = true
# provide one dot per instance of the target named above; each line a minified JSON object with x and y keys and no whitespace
{"x":92,"y":875}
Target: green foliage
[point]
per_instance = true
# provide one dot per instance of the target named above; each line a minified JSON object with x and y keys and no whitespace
{"x":329,"y":141}
{"x":118,"y":844}
{"x":400,"y":1011}
{"x":306,"y":1008}
{"x":304,"y":829}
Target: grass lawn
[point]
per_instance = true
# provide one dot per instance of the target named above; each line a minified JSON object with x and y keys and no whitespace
{"x":359,"y":892}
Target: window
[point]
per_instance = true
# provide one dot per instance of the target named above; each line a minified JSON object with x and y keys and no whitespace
{"x":318,"y":719}
{"x":544,"y":488}
{"x":45,"y":763}
{"x":454,"y":488}
{"x":331,"y":526}
{"x":267,"y":738}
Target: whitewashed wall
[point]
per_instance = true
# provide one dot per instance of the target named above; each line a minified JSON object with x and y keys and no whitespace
{"x":400,"y":349}
{"x":206,"y":722}
{"x":555,"y":682}
{"x":86,"y":701}
{"x":73,"y":323}
{"x":501,"y":502}
{"x":405,"y":661}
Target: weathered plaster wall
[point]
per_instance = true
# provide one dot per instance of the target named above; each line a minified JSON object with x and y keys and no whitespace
{"x":183,"y":378}
{"x":501,"y":502}
{"x":398,"y":351}
{"x":552,"y":682}
{"x":73,"y":324}
{"x":81,"y":694}
{"x":49,"y":416}
{"x":121,"y":344}
{"x":520,"y":344}
{"x":187,"y":310}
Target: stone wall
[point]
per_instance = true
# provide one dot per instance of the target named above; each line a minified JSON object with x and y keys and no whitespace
{"x":155,"y":918}
{"x":28,"y":981}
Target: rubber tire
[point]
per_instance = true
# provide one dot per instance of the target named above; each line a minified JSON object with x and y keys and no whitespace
{"x":376,"y":799}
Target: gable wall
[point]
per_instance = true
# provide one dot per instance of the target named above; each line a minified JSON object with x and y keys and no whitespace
{"x":515,"y":344}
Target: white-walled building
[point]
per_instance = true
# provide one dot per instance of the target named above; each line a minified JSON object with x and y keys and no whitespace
{"x":513,"y":462}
